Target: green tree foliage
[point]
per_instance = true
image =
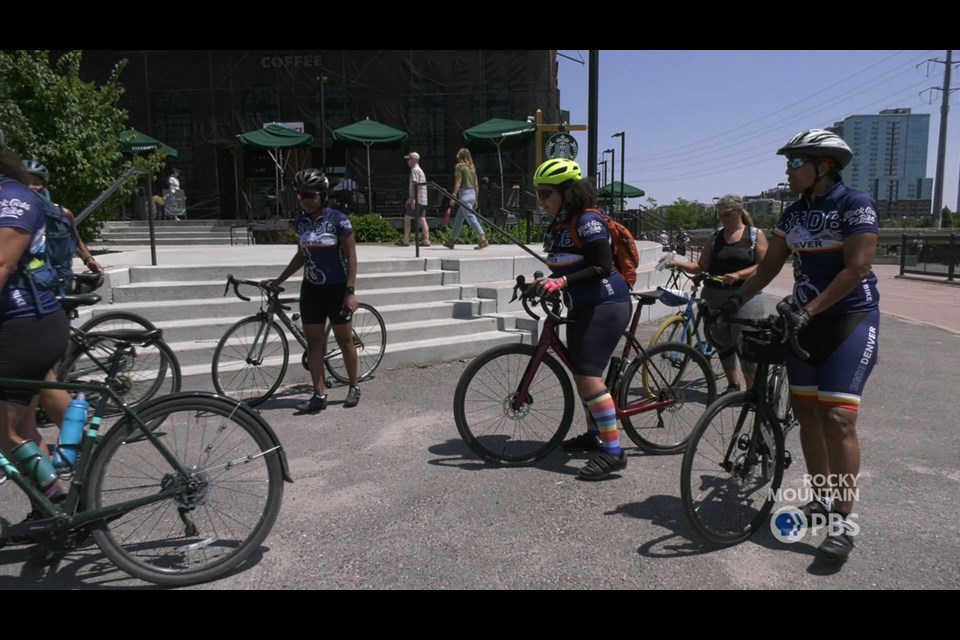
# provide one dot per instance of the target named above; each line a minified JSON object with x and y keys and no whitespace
{"x":51,"y":115}
{"x":683,"y":213}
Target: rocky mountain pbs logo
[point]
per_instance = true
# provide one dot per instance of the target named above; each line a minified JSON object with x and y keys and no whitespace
{"x":561,"y":145}
{"x":789,"y":524}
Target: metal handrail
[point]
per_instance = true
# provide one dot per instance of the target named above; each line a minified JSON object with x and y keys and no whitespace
{"x":112,"y":189}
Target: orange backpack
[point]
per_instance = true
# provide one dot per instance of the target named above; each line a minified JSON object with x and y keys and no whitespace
{"x":626,"y":258}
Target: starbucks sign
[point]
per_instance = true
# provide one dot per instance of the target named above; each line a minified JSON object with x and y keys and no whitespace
{"x":561,"y":145}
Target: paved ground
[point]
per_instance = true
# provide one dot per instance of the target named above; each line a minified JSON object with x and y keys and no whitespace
{"x":387,"y":496}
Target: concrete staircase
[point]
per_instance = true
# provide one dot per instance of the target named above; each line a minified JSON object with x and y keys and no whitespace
{"x":170,"y":232}
{"x":435,"y":309}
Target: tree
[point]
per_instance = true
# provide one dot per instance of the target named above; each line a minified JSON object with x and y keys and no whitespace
{"x":72,"y":126}
{"x":683,"y":213}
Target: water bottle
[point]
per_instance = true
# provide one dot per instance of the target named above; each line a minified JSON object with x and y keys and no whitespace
{"x":34,"y":464}
{"x":665,"y":261}
{"x":71,"y":433}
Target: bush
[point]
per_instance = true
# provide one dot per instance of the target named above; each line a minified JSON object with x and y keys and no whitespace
{"x":372,"y":228}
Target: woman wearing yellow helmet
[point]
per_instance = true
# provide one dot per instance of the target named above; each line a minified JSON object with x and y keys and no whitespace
{"x":581,"y":265}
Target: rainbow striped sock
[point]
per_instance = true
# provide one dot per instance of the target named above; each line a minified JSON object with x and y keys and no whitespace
{"x":604,"y":414}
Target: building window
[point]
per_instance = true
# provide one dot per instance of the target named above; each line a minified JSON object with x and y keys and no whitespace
{"x":428,"y":113}
{"x":173,"y":125}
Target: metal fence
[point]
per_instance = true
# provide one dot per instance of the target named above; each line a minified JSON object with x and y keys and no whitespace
{"x":930,"y":254}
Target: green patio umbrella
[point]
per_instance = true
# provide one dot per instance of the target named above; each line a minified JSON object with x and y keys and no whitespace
{"x":133,"y":141}
{"x":614,"y":188}
{"x":275,"y":139}
{"x":369,"y":133}
{"x":503,"y":134}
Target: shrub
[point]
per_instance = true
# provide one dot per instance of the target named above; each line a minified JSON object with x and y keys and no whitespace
{"x":372,"y":228}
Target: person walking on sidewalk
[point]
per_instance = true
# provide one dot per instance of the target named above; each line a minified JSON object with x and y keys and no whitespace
{"x":328,"y":256}
{"x":416,"y":206}
{"x":465,"y":188}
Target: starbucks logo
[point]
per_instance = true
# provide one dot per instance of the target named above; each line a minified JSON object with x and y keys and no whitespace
{"x":561,"y":145}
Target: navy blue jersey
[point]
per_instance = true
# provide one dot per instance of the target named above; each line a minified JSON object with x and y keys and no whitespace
{"x":21,"y":209}
{"x":320,"y":242}
{"x":564,"y":257}
{"x":815,"y":233}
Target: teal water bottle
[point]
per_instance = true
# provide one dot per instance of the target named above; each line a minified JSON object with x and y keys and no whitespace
{"x":34,"y":464}
{"x":71,"y":433}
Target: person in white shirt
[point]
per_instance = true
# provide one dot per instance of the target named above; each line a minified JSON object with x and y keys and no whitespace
{"x":416,"y":202}
{"x":173,"y":183}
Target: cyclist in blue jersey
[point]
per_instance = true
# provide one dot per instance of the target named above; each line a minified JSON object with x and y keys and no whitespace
{"x":598,"y":302}
{"x":831,"y":232}
{"x":33,"y":328}
{"x":328,"y":256}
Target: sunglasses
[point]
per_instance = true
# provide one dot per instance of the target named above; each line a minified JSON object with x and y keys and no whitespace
{"x":543,"y":194}
{"x":308,"y":195}
{"x":796,"y":162}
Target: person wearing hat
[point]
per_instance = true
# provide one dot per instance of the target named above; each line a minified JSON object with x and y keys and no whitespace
{"x":416,"y":206}
{"x":831,"y":232}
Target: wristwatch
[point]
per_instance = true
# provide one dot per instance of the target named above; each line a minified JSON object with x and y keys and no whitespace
{"x":350,"y":291}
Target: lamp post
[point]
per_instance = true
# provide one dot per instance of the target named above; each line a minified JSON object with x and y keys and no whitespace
{"x":782,"y":187}
{"x":613,"y":173}
{"x":323,"y":122}
{"x":604,"y":163}
{"x":623,"y":138}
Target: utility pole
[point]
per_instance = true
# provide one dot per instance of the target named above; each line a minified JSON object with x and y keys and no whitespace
{"x":942,"y":143}
{"x":593,"y":91}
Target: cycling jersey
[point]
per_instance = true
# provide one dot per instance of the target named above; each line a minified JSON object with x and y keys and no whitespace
{"x":20,"y":209}
{"x":564,"y":258}
{"x":815,"y":231}
{"x":320,"y":242}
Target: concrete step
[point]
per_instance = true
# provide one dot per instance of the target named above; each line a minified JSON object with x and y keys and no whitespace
{"x":183,"y":273}
{"x":163,"y":241}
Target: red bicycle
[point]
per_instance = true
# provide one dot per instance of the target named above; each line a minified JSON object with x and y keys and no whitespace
{"x":514,"y":403}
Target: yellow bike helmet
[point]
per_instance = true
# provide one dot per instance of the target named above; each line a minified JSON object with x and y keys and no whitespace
{"x":557,"y":171}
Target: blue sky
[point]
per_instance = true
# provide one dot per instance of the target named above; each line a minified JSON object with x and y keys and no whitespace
{"x":701,"y":124}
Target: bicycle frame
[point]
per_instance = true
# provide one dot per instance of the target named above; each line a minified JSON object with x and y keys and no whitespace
{"x":550,"y":340}
{"x":65,"y":519}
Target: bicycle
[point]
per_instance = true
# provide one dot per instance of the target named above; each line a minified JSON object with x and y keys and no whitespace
{"x":144,"y":372}
{"x":251,"y":358}
{"x":181,"y":490}
{"x":736,"y":456}
{"x":686,"y":325}
{"x":514,"y":403}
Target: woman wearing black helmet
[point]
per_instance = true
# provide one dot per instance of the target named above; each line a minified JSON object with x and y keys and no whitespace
{"x":328,"y":256}
{"x":831,"y":231}
{"x":581,"y":262}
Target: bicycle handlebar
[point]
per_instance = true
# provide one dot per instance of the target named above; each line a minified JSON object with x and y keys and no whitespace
{"x":235,"y":283}
{"x":527,"y":292}
{"x":782,"y":322}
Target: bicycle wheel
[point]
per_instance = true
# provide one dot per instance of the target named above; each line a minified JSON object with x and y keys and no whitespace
{"x":670,"y":330}
{"x":673,"y":385}
{"x":370,"y":338}
{"x":144,"y":373}
{"x":222,"y":509}
{"x":778,"y":392}
{"x":730,"y":473}
{"x":486,"y":419}
{"x":250,"y":360}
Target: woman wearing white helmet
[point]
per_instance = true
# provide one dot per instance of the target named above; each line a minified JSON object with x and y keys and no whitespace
{"x":831,"y":231}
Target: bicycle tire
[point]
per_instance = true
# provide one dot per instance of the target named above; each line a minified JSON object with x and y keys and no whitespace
{"x":235,"y":376}
{"x":778,"y":391}
{"x":370,"y":338}
{"x":144,"y":373}
{"x":225,"y":509}
{"x":670,"y":370}
{"x":725,"y":501}
{"x":669,"y":330}
{"x":482,"y":406}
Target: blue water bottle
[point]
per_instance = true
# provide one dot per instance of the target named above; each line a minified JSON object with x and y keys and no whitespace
{"x":71,"y":433}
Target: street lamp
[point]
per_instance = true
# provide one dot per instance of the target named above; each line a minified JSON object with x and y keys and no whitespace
{"x":613,"y":173}
{"x":623,"y":141}
{"x":604,"y":163}
{"x":783,"y":186}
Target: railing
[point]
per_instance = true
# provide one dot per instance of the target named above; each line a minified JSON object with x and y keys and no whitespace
{"x":113,"y":188}
{"x":930,"y":254}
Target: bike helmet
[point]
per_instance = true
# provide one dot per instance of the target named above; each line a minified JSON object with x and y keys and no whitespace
{"x":557,"y":171}
{"x":818,"y":143}
{"x":311,"y":180}
{"x":34,"y":168}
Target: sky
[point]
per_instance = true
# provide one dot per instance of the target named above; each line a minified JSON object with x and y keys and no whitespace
{"x":701,"y":124}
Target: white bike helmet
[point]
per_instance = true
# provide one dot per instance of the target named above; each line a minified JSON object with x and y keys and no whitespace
{"x":818,"y":143}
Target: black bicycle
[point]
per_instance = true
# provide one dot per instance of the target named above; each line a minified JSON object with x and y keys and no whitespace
{"x":181,"y":490}
{"x":736,"y":455}
{"x":251,"y":358}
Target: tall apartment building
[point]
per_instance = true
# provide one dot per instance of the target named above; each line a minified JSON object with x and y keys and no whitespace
{"x":889,"y":156}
